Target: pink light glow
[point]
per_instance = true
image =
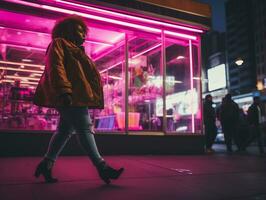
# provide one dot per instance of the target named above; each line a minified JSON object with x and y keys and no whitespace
{"x":125,"y":16}
{"x":176,"y":34}
{"x":47,"y":34}
{"x":23,"y":46}
{"x":22,"y":78}
{"x":27,"y":31}
{"x":33,"y":75}
{"x":111,"y":67}
{"x":139,"y":54}
{"x":20,"y":70}
{"x":147,"y":50}
{"x":25,"y":82}
{"x":191,"y":85}
{"x":118,"y":22}
{"x":113,"y":40}
{"x":145,"y":28}
{"x":115,"y":77}
{"x":20,"y":63}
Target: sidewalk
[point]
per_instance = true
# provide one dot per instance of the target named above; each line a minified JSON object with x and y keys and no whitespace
{"x":217,"y":176}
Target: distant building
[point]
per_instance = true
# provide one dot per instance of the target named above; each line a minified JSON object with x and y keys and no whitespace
{"x":259,"y":25}
{"x":246,"y":40}
{"x":214,"y":65}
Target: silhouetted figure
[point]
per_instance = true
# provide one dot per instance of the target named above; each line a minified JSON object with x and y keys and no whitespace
{"x":255,"y":119}
{"x":229,"y":120}
{"x":209,"y":118}
{"x":242,"y":134}
{"x":71,"y":84}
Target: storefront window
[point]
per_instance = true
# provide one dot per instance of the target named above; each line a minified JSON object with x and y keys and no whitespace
{"x":182,"y":91}
{"x":133,"y":59}
{"x":110,"y":61}
{"x":145,"y":82}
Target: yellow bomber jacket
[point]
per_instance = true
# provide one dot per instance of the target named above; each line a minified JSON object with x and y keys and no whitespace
{"x":69,"y":70}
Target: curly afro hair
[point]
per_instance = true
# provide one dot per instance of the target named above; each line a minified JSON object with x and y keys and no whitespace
{"x":64,"y":28}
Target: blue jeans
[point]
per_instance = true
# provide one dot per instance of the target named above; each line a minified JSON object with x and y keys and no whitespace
{"x":74,"y":119}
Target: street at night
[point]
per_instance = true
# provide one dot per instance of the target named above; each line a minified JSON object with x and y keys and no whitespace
{"x":204,"y":177}
{"x":132,"y":100}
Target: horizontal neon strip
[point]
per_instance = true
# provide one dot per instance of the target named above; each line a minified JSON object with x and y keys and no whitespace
{"x":125,"y":16}
{"x":20,"y":70}
{"x":147,"y":50}
{"x":23,"y":46}
{"x":47,"y":34}
{"x":180,"y":35}
{"x":27,"y":31}
{"x":61,"y":10}
{"x":101,"y":18}
{"x":12,"y":81}
{"x":111,"y":67}
{"x":20,"y":63}
{"x":115,"y":77}
{"x":22,"y":77}
{"x":139,"y":54}
{"x":33,"y":75}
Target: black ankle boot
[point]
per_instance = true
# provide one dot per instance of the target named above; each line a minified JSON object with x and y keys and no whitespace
{"x":106,"y":173}
{"x":45,"y":168}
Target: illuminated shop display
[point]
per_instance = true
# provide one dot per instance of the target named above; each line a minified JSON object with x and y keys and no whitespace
{"x":150,"y":69}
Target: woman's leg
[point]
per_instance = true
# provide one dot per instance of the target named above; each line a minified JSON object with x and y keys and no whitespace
{"x":61,"y":137}
{"x":83,"y":126}
{"x":57,"y":143}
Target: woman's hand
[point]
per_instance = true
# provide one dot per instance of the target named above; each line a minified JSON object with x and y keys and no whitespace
{"x":65,"y":99}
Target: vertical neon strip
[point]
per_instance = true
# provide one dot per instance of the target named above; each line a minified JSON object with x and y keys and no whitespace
{"x":200,"y":92}
{"x":163,"y":72}
{"x":126,"y":74}
{"x":191,"y":85}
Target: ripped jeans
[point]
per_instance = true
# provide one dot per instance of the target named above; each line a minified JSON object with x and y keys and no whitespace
{"x":74,"y":119}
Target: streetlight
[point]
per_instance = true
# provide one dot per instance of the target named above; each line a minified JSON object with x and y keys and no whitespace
{"x":239,"y":61}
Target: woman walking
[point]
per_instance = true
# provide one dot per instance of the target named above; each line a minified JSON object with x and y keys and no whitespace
{"x":71,"y":84}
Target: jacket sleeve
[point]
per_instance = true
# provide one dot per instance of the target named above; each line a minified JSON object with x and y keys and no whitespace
{"x":55,"y":67}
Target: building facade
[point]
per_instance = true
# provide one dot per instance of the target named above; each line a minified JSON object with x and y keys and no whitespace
{"x":215,"y":74}
{"x":245,"y":40}
{"x":150,"y":64}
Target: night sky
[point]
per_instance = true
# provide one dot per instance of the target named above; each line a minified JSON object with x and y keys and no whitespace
{"x":218,"y":14}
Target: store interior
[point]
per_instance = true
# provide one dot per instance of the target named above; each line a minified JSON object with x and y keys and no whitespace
{"x":133,"y":64}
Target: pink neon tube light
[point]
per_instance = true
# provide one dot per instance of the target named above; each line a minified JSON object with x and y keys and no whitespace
{"x":147,"y":50}
{"x":20,"y":70}
{"x":191,"y":85}
{"x":127,"y":24}
{"x":125,"y":16}
{"x":20,"y":63}
{"x":47,"y":34}
{"x":111,"y":67}
{"x":12,"y":81}
{"x":135,"y":56}
{"x":22,"y":77}
{"x":23,"y":46}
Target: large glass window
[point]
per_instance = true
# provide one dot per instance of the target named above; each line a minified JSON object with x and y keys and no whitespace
{"x":110,"y":61}
{"x":134,"y":60}
{"x":145,"y":82}
{"x":182,"y":87}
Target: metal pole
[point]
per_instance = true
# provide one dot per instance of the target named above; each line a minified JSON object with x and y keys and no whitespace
{"x":163,"y":70}
{"x":126,"y":84}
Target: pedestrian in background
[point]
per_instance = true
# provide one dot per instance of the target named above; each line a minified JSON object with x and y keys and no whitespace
{"x":243,"y":131}
{"x":255,"y":119}
{"x":229,"y":120}
{"x":210,"y":128}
